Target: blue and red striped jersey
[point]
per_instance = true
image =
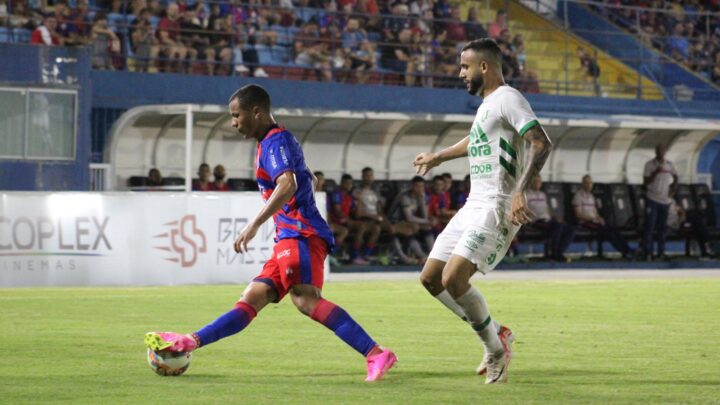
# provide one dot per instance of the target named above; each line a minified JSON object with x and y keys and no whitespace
{"x":279,"y":152}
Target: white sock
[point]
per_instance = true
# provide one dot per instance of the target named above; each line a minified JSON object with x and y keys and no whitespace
{"x":450,"y":303}
{"x":476,"y":309}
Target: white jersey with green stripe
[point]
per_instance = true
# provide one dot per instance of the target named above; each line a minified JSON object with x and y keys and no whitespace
{"x":496,"y":147}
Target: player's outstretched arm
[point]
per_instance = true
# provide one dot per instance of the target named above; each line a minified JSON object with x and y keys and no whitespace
{"x":285,"y":187}
{"x":427,"y":160}
{"x":535,"y":158}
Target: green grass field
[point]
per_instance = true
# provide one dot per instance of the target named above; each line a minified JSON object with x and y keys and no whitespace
{"x":578,"y":342}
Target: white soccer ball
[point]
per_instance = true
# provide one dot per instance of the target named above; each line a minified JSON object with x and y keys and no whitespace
{"x":167,"y":363}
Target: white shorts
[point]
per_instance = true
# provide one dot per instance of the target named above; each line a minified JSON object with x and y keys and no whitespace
{"x":481,"y":235}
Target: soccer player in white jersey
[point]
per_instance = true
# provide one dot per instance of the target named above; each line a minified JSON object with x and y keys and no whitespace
{"x":506,"y":148}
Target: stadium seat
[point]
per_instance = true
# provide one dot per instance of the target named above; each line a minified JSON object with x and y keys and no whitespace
{"x":136,"y":181}
{"x":4,"y":34}
{"x":280,"y":55}
{"x":173,"y":181}
{"x":705,"y":205}
{"x":243,"y":184}
{"x":264,"y":54}
{"x":621,"y":211}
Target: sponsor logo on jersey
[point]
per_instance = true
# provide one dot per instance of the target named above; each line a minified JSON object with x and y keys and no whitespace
{"x":284,"y":253}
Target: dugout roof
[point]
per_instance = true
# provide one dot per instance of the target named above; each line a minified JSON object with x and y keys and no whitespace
{"x":612,"y":148}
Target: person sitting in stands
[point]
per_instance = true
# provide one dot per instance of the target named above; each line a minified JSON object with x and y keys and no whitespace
{"x":220,"y":184}
{"x":588,"y":217}
{"x":202,"y":183}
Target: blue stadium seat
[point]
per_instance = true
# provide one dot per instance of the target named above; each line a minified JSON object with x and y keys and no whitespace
{"x":264,"y":54}
{"x":283,"y":33}
{"x":306,"y":13}
{"x":4,"y":34}
{"x":21,"y":35}
{"x":118,"y":22}
{"x":280,"y":55}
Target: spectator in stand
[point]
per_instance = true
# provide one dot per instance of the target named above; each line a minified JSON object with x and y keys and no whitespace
{"x":397,"y":57}
{"x":414,"y":210}
{"x":454,"y":27}
{"x":340,"y":232}
{"x":202,"y":183}
{"x":220,"y":184}
{"x":678,"y":219}
{"x":395,"y":23}
{"x":473,"y":27}
{"x":80,"y":18}
{"x":47,"y":34}
{"x":588,"y":217}
{"x":357,"y":54}
{"x":420,"y":7}
{"x":518,"y":47}
{"x":660,"y":179}
{"x":105,"y":44}
{"x":154,"y":179}
{"x":448,"y":189}
{"x":589,"y":64}
{"x":510,"y":65}
{"x":495,"y":28}
{"x":438,"y":206}
{"x":65,"y":26}
{"x":197,"y":40}
{"x":369,"y":211}
{"x":311,"y":51}
{"x":462,"y":195}
{"x":144,"y":43}
{"x":367,"y":7}
{"x":527,"y":82}
{"x":344,"y":210}
{"x":677,"y":45}
{"x":441,"y":9}
{"x":371,"y":208}
{"x":561,"y":234}
{"x":171,"y":47}
{"x":715,"y":75}
{"x":444,"y":59}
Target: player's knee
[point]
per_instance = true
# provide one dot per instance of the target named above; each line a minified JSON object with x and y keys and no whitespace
{"x":431,"y":282}
{"x":452,"y":282}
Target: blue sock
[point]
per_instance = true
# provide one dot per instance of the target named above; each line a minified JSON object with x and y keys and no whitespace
{"x":338,"y":321}
{"x":227,"y":324}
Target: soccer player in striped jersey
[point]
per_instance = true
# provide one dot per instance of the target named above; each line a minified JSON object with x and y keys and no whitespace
{"x":506,"y":148}
{"x":303,"y":239}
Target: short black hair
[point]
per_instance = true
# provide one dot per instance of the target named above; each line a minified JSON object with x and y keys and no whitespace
{"x":251,"y":96}
{"x":447,"y":175}
{"x":438,"y":177}
{"x":319,"y":173}
{"x":366,"y":169}
{"x":485,"y":46}
{"x":345,"y":177}
{"x":417,"y":179}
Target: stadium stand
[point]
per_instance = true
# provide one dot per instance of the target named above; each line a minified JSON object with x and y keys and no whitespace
{"x":270,"y":40}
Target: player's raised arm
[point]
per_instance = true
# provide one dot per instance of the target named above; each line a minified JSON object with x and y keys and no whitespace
{"x":427,"y":160}
{"x":285,"y":188}
{"x":535,"y":158}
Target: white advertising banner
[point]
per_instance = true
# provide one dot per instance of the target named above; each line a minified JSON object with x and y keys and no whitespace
{"x":152,"y":238}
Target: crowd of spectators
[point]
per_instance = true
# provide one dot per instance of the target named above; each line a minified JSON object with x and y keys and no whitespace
{"x":340,"y":40}
{"x":685,"y":30}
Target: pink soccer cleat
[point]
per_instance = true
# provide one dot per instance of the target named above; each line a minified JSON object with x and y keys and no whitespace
{"x":379,"y":364}
{"x":170,"y":341}
{"x":507,"y":338}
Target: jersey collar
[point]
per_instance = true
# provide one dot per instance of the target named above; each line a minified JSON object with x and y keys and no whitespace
{"x":274,"y":129}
